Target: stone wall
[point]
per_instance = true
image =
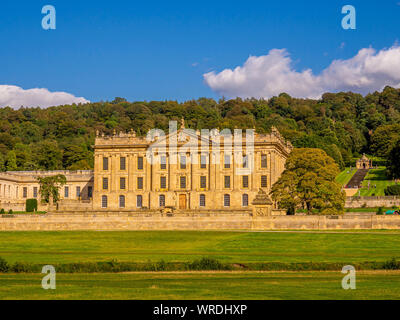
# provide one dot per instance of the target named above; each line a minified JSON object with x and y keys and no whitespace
{"x":372,"y":202}
{"x":239,"y":221}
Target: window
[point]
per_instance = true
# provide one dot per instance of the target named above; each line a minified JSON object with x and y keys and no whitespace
{"x":139,"y":201}
{"x":227,"y":181}
{"x":122,"y":201}
{"x":203,"y":162}
{"x":140,"y":163}
{"x":183,"y":182}
{"x":183,"y":162}
{"x":140,"y":183}
{"x":245,"y":200}
{"x":90,"y":192}
{"x":35,"y":192}
{"x":162,"y":200}
{"x":227,"y":200}
{"x":203,"y":182}
{"x":163,"y":162}
{"x":104,"y":202}
{"x":245,"y":181}
{"x":24,"y":191}
{"x":66,"y":192}
{"x":227,"y":161}
{"x":263,"y":161}
{"x":245,"y":162}
{"x":202,"y":200}
{"x":122,"y":183}
{"x":263,"y":181}
{"x":105,"y":183}
{"x":163,"y":182}
{"x":122,"y":163}
{"x":78,"y":192}
{"x":105,"y":163}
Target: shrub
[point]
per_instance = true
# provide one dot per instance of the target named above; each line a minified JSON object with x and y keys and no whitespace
{"x":391,"y":265}
{"x":4,"y":266}
{"x":31,"y":205}
{"x":10,"y":211}
{"x":380,"y":211}
{"x":2,"y":211}
{"x":207,"y":264}
{"x":393,"y":190}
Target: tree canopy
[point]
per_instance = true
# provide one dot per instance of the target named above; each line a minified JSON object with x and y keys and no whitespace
{"x":344,"y":125}
{"x":308,"y":182}
{"x":50,"y":187}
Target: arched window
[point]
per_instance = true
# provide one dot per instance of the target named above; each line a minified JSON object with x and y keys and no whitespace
{"x":202,"y":200}
{"x":139,"y":201}
{"x":162,"y":200}
{"x":104,"y":202}
{"x":245,"y":200}
{"x":227,"y":200}
{"x":122,"y":201}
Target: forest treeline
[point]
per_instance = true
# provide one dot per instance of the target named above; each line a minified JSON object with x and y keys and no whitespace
{"x":345,"y":125}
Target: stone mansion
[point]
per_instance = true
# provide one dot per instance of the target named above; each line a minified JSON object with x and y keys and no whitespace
{"x":184,"y":170}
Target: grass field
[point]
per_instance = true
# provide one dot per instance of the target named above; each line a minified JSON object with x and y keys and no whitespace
{"x":346,"y":247}
{"x":203,"y":285}
{"x":376,"y":177}
{"x":344,"y":177}
{"x":234,"y":247}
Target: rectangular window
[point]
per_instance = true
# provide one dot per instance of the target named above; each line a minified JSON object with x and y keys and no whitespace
{"x":202,"y":200}
{"x":105,"y":163}
{"x":183,"y":182}
{"x":163,"y":182}
{"x":122,"y":163}
{"x":140,"y":163}
{"x":264,"y":181}
{"x":35,"y":192}
{"x":122,"y":183}
{"x":139,"y":201}
{"x":78,"y":192}
{"x":183,"y":162}
{"x":227,"y":161}
{"x":105,"y":183}
{"x":66,"y":192}
{"x":245,"y":162}
{"x":203,"y":162}
{"x":122,"y":201}
{"x":245,"y":200}
{"x":162,"y":201}
{"x":227,"y":200}
{"x":263,"y":161}
{"x":245,"y":181}
{"x":140,"y":183}
{"x":163,"y":162}
{"x":227,"y":182}
{"x":90,"y":192}
{"x":25,"y":192}
{"x":104,"y":202}
{"x":203,"y":182}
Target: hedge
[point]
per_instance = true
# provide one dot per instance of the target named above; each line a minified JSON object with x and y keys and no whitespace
{"x":31,"y":205}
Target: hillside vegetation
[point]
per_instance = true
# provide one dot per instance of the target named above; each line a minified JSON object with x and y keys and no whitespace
{"x":345,"y":125}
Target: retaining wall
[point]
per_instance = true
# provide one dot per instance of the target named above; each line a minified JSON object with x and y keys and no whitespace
{"x":192,"y":222}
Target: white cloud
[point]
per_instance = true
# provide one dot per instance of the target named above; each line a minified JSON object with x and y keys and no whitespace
{"x":272,"y":74}
{"x":15,"y":97}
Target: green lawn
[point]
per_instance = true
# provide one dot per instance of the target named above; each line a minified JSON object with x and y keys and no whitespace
{"x":376,"y":177}
{"x":344,"y":177}
{"x":205,"y":285}
{"x":182,"y":246}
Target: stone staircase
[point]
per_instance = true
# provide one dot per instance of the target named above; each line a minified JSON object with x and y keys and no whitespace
{"x":357,"y":179}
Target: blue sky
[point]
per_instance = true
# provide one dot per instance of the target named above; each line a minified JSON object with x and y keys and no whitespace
{"x":158,"y":50}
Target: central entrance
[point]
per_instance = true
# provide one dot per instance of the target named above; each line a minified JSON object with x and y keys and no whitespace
{"x":182,"y":201}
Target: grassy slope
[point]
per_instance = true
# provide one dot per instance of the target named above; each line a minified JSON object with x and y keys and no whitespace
{"x":343,"y":178}
{"x":249,"y":285}
{"x":235,"y":247}
{"x":376,"y":177}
